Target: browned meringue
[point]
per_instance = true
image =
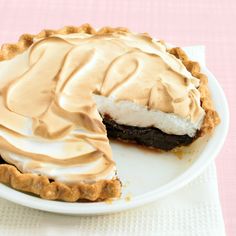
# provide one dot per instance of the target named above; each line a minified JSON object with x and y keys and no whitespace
{"x":49,"y":121}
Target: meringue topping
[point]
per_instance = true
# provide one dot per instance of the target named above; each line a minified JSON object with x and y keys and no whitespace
{"x":49,"y":120}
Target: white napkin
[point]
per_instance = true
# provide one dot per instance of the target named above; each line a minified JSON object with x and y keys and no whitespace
{"x":193,"y":210}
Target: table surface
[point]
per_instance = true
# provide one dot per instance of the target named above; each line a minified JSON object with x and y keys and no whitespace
{"x":181,"y":22}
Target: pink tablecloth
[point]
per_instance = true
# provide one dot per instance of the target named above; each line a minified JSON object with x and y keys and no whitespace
{"x":182,"y":22}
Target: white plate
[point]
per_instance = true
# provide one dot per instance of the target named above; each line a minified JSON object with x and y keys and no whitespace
{"x":146,"y":175}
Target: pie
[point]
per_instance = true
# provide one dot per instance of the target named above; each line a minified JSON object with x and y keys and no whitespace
{"x":64,"y":92}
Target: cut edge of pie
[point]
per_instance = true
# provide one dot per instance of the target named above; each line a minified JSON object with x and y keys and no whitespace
{"x":102,"y":189}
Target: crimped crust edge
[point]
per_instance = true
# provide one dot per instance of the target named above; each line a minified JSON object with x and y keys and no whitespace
{"x":41,"y":186}
{"x":212,"y":118}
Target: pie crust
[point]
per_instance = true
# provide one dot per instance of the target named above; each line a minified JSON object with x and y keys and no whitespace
{"x":104,"y":189}
{"x":41,"y":185}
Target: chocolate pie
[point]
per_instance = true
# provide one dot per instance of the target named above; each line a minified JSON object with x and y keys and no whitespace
{"x":64,"y":92}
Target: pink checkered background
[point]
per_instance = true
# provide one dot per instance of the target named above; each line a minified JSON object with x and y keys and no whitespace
{"x":181,"y":22}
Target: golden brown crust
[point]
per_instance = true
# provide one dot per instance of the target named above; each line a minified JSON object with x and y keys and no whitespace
{"x":40,"y":185}
{"x":105,"y":189}
{"x":212,"y":118}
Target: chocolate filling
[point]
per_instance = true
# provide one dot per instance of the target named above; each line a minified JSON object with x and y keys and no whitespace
{"x":148,"y":136}
{"x":2,"y":161}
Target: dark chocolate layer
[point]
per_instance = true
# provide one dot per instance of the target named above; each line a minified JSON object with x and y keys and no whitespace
{"x":2,"y":161}
{"x":150,"y":136}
